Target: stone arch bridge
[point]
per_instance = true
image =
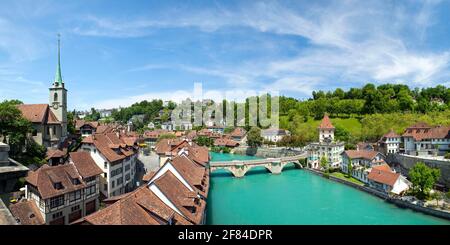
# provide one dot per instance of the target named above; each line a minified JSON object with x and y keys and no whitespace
{"x":240,"y":167}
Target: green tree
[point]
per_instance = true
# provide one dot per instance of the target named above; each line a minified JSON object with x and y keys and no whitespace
{"x":14,"y":129}
{"x":71,"y":122}
{"x":166,"y":136}
{"x":349,"y":168}
{"x":204,"y":141}
{"x":324,"y":164}
{"x":254,"y":138}
{"x":423,"y":179}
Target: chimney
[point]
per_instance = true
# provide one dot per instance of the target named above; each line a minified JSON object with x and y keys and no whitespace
{"x":4,"y":156}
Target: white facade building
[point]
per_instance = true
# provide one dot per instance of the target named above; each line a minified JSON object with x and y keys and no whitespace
{"x":326,"y":148}
{"x":117,"y":161}
{"x":362,"y":161}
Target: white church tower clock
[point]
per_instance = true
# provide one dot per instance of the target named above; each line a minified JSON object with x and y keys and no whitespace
{"x":58,"y":97}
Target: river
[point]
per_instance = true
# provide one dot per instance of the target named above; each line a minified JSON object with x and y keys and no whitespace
{"x":297,"y":197}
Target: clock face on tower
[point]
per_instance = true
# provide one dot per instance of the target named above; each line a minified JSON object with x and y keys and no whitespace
{"x":55,"y":106}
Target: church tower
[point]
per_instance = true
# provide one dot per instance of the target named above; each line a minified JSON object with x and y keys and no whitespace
{"x":58,"y":97}
{"x":326,"y":130}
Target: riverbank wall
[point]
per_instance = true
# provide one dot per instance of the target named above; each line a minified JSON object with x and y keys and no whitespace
{"x":398,"y":202}
{"x":266,"y":152}
{"x":406,"y":162}
{"x":351,"y":184}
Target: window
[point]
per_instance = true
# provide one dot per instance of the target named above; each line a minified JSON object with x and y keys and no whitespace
{"x":105,"y":175}
{"x":113,"y":183}
{"x":90,"y":190}
{"x":34,"y":132}
{"x":57,"y":201}
{"x":89,"y":179}
{"x":76,"y":195}
{"x":105,"y":187}
{"x":75,"y":208}
{"x":48,"y":131}
{"x":119,"y":181}
{"x":116,"y":172}
{"x":76,"y":181}
{"x":127,"y":167}
{"x":95,"y":150}
{"x":127,"y":177}
{"x":55,"y":97}
{"x":105,"y":165}
{"x":58,"y":186}
{"x":57,"y":215}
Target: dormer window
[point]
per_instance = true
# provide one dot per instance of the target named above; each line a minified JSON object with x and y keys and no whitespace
{"x":58,"y":186}
{"x":76,"y":181}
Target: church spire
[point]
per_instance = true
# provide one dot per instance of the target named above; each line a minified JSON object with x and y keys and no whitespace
{"x":58,"y":77}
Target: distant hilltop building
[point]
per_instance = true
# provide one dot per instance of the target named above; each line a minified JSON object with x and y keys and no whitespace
{"x":327,"y":147}
{"x":274,"y":134}
{"x":49,"y":120}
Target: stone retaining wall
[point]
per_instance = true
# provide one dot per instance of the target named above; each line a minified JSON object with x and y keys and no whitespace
{"x":354,"y":185}
{"x":396,"y":201}
{"x":407,"y":162}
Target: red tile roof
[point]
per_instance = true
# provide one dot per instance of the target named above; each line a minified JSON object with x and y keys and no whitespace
{"x":238,"y":132}
{"x":364,"y":154}
{"x":225,"y":142}
{"x":140,"y":207}
{"x":181,"y":197}
{"x":195,"y":175}
{"x":81,"y":123}
{"x":380,"y":175}
{"x":110,"y":146}
{"x":326,"y":123}
{"x":27,"y":213}
{"x":85,"y":165}
{"x":54,"y":153}
{"x":391,"y":134}
{"x":45,"y":178}
{"x":422,"y":131}
{"x":38,"y":113}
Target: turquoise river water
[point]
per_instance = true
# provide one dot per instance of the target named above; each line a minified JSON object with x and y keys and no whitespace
{"x":297,"y":197}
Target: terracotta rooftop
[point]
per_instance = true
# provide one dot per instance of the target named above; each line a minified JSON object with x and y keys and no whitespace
{"x":391,"y":134}
{"x":81,"y":123}
{"x":195,"y":175}
{"x":46,"y":179}
{"x":238,"y":132}
{"x":326,"y":123}
{"x":38,"y":113}
{"x":104,"y":129}
{"x":140,"y":207}
{"x":27,"y":213}
{"x":423,"y":131}
{"x":110,"y":146}
{"x":380,"y":175}
{"x":364,"y":154}
{"x":225,"y":142}
{"x":85,"y":165}
{"x":190,"y":206}
{"x":54,"y":153}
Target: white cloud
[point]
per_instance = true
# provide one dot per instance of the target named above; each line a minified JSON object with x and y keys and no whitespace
{"x":176,"y":96}
{"x":347,"y":40}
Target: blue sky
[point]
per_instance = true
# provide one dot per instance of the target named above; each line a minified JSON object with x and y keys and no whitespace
{"x":115,"y":53}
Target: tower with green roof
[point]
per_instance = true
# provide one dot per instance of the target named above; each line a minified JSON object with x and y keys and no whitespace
{"x":58,"y":97}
